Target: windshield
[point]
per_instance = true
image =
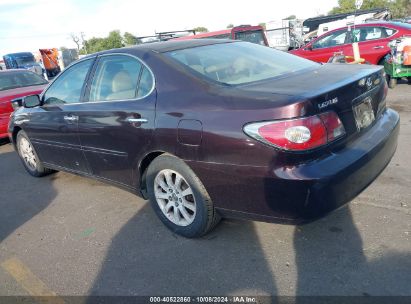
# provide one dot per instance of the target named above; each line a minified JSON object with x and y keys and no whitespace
{"x":240,"y":62}
{"x":19,"y":79}
{"x":251,"y":36}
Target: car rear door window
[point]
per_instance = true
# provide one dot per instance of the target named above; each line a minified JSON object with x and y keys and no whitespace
{"x":389,"y":31}
{"x":146,"y":83}
{"x":67,"y":88}
{"x":368,"y":33}
{"x":116,"y":78}
{"x":333,"y":39}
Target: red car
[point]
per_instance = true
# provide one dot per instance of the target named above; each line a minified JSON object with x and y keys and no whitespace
{"x":15,"y":84}
{"x":372,"y":38}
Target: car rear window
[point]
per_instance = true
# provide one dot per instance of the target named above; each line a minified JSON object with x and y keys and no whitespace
{"x":239,"y":62}
{"x":19,"y":79}
{"x":251,"y":36}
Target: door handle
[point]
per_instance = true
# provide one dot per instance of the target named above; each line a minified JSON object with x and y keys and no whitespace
{"x":137,"y":120}
{"x":378,"y":47}
{"x":70,"y":118}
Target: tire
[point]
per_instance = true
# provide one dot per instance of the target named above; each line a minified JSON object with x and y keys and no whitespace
{"x":29,"y":157}
{"x":382,"y":61}
{"x":409,"y":80}
{"x":392,"y":82}
{"x":184,"y":188}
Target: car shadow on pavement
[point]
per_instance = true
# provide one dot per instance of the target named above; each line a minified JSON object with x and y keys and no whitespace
{"x":331,"y":260}
{"x":29,"y":196}
{"x":4,"y":141}
{"x":145,"y":258}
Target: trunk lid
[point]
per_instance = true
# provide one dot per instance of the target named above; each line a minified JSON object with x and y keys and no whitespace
{"x":331,"y":87}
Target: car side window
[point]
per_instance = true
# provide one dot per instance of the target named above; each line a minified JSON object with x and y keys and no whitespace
{"x":333,"y":39}
{"x":368,"y":33}
{"x":68,"y":86}
{"x":146,"y":83}
{"x":116,"y":78}
{"x":389,"y":31}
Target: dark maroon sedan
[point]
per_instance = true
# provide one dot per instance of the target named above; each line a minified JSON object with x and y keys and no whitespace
{"x":210,"y":128}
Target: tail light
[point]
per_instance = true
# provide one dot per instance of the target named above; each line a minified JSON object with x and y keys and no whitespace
{"x":299,"y":134}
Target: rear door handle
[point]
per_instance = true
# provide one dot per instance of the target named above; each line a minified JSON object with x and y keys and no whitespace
{"x":137,"y":120}
{"x":378,"y":47}
{"x":70,"y":118}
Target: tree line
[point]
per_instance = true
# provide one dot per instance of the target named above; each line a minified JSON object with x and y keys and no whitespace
{"x":398,"y":8}
{"x":112,"y":41}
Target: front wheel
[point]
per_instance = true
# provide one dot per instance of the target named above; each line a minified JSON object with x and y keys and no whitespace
{"x":29,"y":157}
{"x":179,"y":198}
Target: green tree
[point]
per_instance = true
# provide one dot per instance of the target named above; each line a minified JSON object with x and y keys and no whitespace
{"x":112,"y":41}
{"x":399,"y":8}
{"x":129,"y":39}
{"x":201,"y":29}
{"x":262,"y":24}
{"x":230,"y":26}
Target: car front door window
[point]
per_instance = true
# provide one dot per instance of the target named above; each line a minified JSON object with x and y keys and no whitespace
{"x":331,"y":40}
{"x":68,"y":87}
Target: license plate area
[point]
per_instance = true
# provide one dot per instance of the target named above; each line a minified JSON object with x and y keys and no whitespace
{"x":364,"y":114}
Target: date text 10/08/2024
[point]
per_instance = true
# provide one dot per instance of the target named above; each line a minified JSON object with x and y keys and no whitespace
{"x":206,"y":299}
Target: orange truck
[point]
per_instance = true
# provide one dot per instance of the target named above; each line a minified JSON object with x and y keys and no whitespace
{"x":50,"y":61}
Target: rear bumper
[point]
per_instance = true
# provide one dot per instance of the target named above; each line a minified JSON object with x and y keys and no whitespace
{"x":305,"y":192}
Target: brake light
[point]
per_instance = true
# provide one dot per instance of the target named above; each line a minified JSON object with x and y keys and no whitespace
{"x":333,"y":125}
{"x":299,"y":134}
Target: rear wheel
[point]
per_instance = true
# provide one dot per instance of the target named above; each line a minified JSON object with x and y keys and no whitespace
{"x":29,"y":156}
{"x":179,"y":198}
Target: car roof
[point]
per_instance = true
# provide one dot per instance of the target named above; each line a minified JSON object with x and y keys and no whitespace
{"x":15,"y":71}
{"x":374,"y":23}
{"x":167,"y":46}
{"x":19,"y":54}
{"x":369,"y":24}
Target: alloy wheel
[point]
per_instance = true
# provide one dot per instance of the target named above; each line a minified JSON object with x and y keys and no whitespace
{"x":27,"y":153}
{"x":175,"y":197}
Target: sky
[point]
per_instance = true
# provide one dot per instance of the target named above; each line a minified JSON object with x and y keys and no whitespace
{"x":27,"y":25}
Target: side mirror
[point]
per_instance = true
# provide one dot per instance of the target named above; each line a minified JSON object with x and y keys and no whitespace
{"x":17,"y":103}
{"x":31,"y":101}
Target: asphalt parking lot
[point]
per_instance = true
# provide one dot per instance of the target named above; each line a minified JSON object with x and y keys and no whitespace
{"x":68,"y":235}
